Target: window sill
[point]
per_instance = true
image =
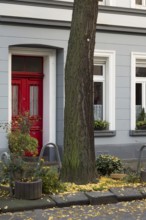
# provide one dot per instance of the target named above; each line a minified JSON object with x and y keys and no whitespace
{"x":140,"y":6}
{"x":104,"y":133}
{"x":137,"y":132}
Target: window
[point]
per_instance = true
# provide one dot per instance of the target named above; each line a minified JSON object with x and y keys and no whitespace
{"x":99,"y":91}
{"x":15,"y":100}
{"x":27,"y":64}
{"x":104,"y":87}
{"x":140,"y":2}
{"x":138,"y":86}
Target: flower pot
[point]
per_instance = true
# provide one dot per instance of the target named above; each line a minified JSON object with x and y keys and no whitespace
{"x":143,"y":176}
{"x":118,"y":176}
{"x":28,"y":190}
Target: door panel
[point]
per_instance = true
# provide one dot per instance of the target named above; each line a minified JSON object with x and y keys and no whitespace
{"x":35,"y":104}
{"x":27,"y":97}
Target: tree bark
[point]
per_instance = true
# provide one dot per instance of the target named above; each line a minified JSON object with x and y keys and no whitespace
{"x":79,"y":153}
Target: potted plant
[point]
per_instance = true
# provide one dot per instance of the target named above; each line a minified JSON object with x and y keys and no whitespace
{"x":23,"y":178}
{"x":21,"y":174}
{"x":101,"y":125}
{"x":29,"y":186}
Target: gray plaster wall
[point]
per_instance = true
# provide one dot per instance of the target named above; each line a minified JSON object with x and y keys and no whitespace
{"x":32,"y":37}
{"x":122,"y":144}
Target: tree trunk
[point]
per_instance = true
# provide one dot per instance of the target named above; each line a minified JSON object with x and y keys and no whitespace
{"x":79,"y":154}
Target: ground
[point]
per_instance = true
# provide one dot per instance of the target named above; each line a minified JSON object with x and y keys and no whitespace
{"x":135,"y":210}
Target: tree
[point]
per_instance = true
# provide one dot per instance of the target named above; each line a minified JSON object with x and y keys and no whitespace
{"x":79,"y":154}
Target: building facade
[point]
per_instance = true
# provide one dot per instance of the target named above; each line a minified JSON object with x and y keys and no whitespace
{"x":33,"y":46}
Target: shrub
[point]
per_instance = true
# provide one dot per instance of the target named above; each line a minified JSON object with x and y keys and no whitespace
{"x":107,"y":164}
{"x":18,"y":133}
{"x":16,"y":169}
{"x":21,"y":143}
{"x":50,"y":181}
{"x":132,"y":178}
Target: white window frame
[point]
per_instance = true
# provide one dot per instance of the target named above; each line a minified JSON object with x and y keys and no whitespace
{"x":137,"y":60}
{"x":101,"y":2}
{"x":109,"y":58}
{"x":101,"y":78}
{"x":105,"y":2}
{"x":49,"y":88}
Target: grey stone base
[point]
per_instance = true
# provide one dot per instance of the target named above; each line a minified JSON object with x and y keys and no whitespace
{"x":126,"y":194}
{"x":81,"y":198}
{"x":70,"y":199}
{"x":97,"y":198}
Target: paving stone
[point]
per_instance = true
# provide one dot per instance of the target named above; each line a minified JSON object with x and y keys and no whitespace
{"x":20,"y":205}
{"x":126,"y":194}
{"x":70,"y":199}
{"x":143,"y":192}
{"x":6,"y":216}
{"x":97,"y":198}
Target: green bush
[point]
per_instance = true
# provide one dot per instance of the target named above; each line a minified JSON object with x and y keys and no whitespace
{"x":141,"y":121}
{"x":16,"y":169}
{"x":107,"y":164}
{"x":20,"y":143}
{"x":142,"y":115}
{"x":18,"y":133}
{"x":141,"y":125}
{"x":131,"y":176}
{"x":100,"y":125}
{"x":50,"y":181}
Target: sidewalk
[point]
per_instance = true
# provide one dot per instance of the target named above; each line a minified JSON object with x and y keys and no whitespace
{"x":114,"y":195}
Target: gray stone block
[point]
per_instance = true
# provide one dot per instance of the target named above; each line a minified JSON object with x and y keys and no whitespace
{"x":12,"y":205}
{"x":143,"y":192}
{"x":97,"y":198}
{"x":70,"y":199}
{"x":126,"y":194}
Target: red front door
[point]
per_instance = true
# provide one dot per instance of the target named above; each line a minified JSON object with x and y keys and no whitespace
{"x":27,"y":91}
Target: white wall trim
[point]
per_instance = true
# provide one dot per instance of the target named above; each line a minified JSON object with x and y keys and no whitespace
{"x":110,"y":73}
{"x":49,"y":89}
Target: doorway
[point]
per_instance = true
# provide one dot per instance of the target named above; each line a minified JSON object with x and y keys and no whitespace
{"x":27,"y":91}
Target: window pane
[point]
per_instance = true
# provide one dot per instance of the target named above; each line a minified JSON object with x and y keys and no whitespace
{"x":98,"y":70}
{"x":139,"y":2}
{"x":138,"y":99}
{"x":98,"y":100}
{"x":33,"y":100}
{"x":141,"y":71}
{"x":33,"y":64}
{"x":17,"y":63}
{"x":27,"y":64}
{"x":14,"y":100}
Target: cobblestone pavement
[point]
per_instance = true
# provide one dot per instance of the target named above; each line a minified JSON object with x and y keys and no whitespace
{"x":135,"y":210}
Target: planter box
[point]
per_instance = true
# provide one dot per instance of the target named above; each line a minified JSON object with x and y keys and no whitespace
{"x":118,"y":176}
{"x":28,"y":190}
